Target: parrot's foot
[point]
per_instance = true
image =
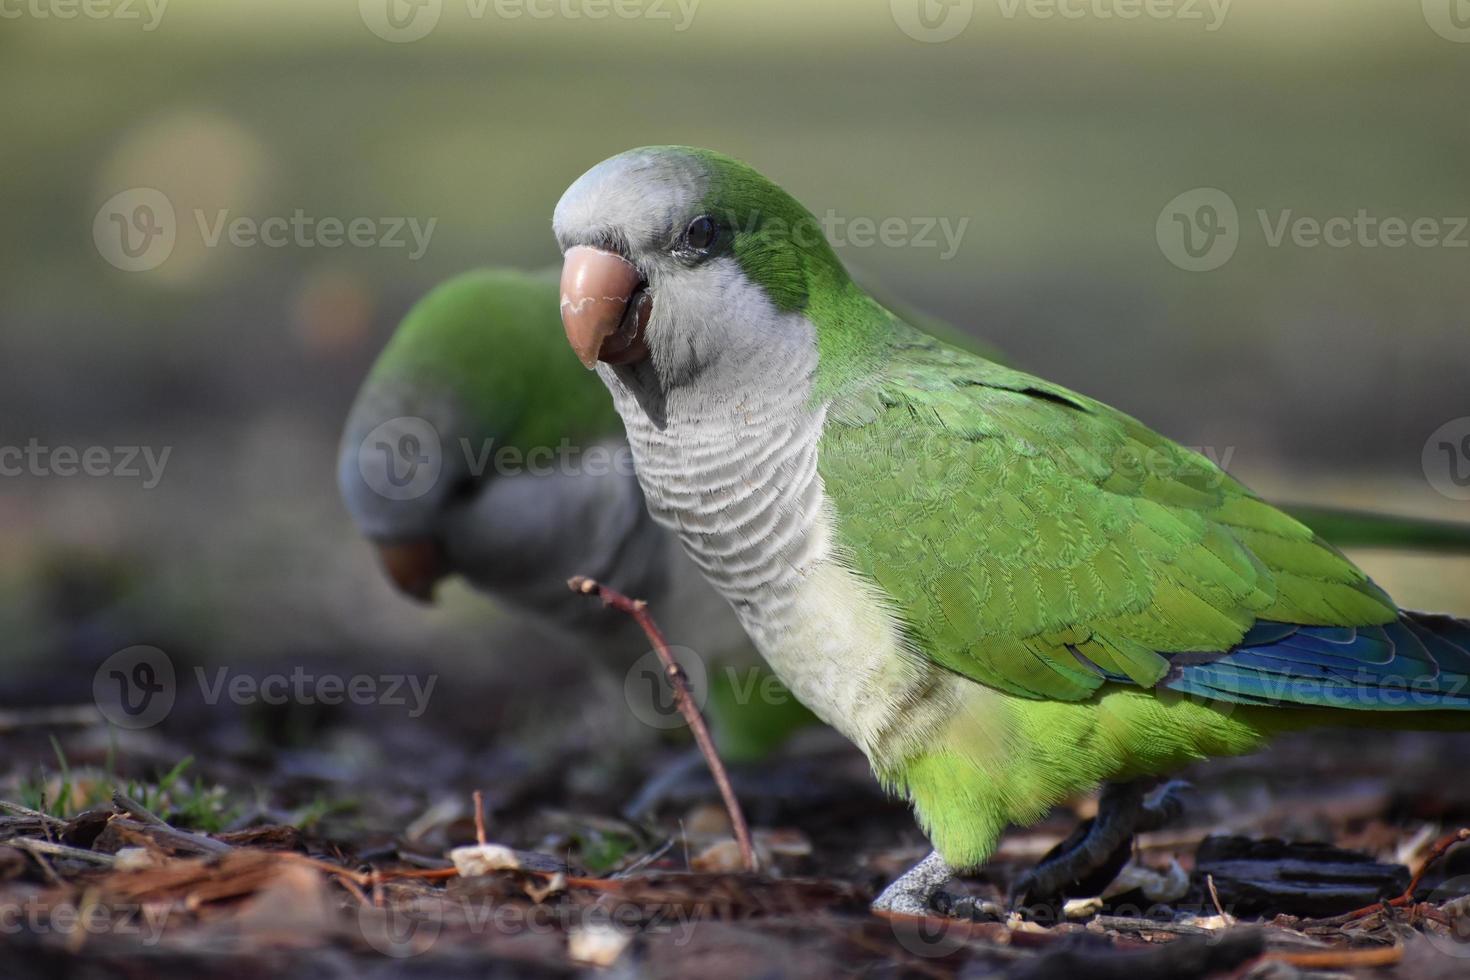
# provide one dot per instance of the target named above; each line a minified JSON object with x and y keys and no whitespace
{"x":913,"y":893}
{"x":1087,"y":861}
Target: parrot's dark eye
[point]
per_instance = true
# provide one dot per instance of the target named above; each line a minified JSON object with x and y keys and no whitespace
{"x":701,"y":234}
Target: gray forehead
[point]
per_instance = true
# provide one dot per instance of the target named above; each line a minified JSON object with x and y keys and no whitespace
{"x":637,"y":196}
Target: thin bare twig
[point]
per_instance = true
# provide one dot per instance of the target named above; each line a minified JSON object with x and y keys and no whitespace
{"x":25,"y":811}
{"x":480,"y":817}
{"x":155,"y":826}
{"x":136,"y":810}
{"x":1226,"y":917}
{"x":646,"y":860}
{"x":1439,"y":850}
{"x":638,"y":609}
{"x":39,"y":847}
{"x":356,"y":890}
{"x":1338,"y":959}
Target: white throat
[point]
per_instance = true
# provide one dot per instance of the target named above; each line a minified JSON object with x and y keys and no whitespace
{"x":728,"y":462}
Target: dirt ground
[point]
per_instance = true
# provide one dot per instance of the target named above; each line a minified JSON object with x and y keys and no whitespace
{"x":316,"y":840}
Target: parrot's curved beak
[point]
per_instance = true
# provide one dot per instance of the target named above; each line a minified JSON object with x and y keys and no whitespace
{"x":604,"y":306}
{"x":414,"y":566}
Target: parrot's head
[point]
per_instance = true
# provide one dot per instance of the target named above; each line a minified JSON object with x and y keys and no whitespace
{"x":682,"y":256}
{"x":474,"y":376}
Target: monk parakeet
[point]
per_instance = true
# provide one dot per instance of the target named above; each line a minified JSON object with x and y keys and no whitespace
{"x":1003,"y":591}
{"x":479,"y":363}
{"x":464,"y":454}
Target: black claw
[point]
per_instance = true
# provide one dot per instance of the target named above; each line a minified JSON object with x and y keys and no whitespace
{"x":965,"y":907}
{"x":1089,"y":859}
{"x":1069,"y":872}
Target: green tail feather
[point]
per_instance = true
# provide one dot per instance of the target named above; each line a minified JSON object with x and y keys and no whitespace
{"x":1363,"y":529}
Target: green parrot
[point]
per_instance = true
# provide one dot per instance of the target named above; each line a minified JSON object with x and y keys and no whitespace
{"x":1005,"y":593}
{"x":479,"y":360}
{"x":439,"y":468}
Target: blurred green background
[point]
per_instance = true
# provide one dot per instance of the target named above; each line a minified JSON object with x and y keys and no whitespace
{"x":1317,"y":373}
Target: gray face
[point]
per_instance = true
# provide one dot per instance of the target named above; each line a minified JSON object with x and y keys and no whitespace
{"x":398,"y":467}
{"x":647,"y":206}
{"x":637,"y":203}
{"x":401,"y":475}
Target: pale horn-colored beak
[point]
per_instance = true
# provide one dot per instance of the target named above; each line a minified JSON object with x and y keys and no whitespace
{"x":604,"y":306}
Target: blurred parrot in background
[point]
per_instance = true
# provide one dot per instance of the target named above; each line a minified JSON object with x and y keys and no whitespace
{"x":1004,"y":592}
{"x":439,"y":469}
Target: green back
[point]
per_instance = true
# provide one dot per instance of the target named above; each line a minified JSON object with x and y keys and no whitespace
{"x":1014,"y":522}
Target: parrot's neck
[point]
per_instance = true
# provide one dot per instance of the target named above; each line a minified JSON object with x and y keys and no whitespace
{"x":728,"y":462}
{"x":732,"y":474}
{"x":525,"y":535}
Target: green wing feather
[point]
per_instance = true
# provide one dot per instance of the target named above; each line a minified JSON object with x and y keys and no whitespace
{"x":1034,"y":539}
